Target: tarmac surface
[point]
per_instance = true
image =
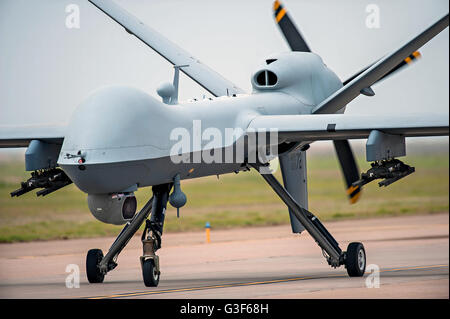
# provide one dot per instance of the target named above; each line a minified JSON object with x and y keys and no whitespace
{"x":411,"y":253}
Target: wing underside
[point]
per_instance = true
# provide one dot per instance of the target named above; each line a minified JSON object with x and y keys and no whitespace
{"x":298,"y":128}
{"x":21,"y":136}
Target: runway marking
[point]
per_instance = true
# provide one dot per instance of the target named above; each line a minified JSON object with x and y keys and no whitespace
{"x":408,"y":238}
{"x":146,"y":293}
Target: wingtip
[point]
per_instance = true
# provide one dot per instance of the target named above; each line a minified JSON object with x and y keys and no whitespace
{"x":278,"y":11}
{"x":276,"y":5}
{"x":413,"y":56}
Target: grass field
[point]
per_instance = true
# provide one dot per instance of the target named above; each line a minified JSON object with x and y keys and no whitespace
{"x":232,"y":201}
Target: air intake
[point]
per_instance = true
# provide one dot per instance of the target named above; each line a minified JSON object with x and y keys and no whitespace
{"x":266,"y":78}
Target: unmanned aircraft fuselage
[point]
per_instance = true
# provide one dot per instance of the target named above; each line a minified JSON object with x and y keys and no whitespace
{"x":126,"y":136}
{"x":121,"y":139}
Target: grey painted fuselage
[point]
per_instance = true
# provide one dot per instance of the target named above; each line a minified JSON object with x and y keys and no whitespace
{"x":125,"y":134}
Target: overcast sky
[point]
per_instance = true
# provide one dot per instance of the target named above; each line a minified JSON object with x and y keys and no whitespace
{"x":46,"y":69}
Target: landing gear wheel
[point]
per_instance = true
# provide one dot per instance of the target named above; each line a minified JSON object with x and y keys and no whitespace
{"x":355,"y":261}
{"x":150,"y":273}
{"x":93,"y":258}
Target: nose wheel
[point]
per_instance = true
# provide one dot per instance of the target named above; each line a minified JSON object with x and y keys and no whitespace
{"x":150,"y":273}
{"x":151,"y":242}
{"x":151,"y":237}
{"x":355,"y":260}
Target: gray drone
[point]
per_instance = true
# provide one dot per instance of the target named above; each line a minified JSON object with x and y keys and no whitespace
{"x":121,"y":139}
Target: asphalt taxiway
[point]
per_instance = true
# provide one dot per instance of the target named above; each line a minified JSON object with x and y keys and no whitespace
{"x":411,"y":253}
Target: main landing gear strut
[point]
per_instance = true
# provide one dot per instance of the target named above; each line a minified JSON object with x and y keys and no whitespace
{"x":354,"y":258}
{"x":97,"y":265}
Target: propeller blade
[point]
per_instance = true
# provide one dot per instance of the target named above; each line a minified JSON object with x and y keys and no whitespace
{"x":343,"y":150}
{"x":349,"y":168}
{"x":409,"y":60}
{"x":352,"y":90}
{"x":288,"y":28}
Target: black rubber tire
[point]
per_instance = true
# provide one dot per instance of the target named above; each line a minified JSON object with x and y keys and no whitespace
{"x":93,"y":258}
{"x":355,"y":261}
{"x":151,"y":278}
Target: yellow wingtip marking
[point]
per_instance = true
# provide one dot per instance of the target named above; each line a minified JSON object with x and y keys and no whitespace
{"x":276,"y":4}
{"x":417,"y":54}
{"x":408,"y":60}
{"x":280,"y":15}
{"x":355,"y":197}
{"x":255,"y":283}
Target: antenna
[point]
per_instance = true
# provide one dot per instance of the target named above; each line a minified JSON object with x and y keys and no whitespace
{"x":176,"y":80}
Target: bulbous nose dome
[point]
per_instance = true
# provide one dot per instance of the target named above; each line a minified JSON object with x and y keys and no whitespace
{"x":112,"y":132}
{"x":114,"y":117}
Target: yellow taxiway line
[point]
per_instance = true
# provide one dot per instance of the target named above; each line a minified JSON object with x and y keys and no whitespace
{"x":146,"y":293}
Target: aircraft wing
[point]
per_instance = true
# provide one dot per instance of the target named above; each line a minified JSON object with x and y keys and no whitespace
{"x":209,"y":79}
{"x":298,"y":128}
{"x":21,"y":136}
{"x":378,"y":70}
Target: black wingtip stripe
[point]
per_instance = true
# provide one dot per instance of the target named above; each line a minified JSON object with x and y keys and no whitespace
{"x":277,"y":11}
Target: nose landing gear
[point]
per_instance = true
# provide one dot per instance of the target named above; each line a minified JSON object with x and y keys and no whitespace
{"x":151,"y":237}
{"x":149,"y":259}
{"x":97,"y":265}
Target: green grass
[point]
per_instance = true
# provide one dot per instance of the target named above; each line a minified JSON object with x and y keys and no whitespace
{"x":232,"y":201}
